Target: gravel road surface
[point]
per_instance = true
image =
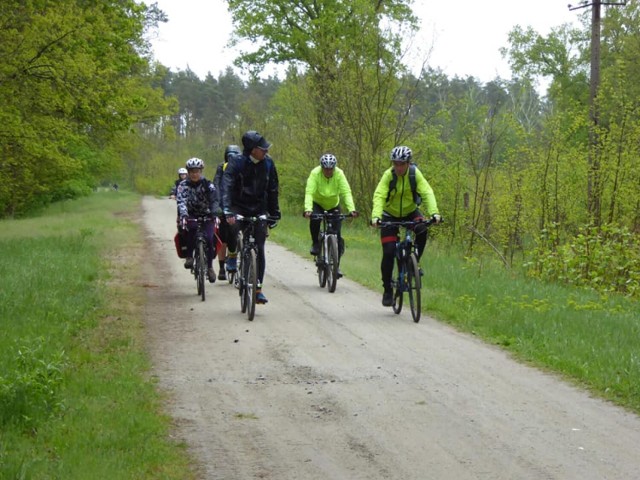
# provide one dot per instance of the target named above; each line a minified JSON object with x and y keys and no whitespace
{"x":335,"y":386}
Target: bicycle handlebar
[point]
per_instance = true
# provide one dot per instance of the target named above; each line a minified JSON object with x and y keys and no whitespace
{"x":331,"y":216}
{"x":200,"y":218}
{"x":407,"y":223}
{"x":256,"y":218}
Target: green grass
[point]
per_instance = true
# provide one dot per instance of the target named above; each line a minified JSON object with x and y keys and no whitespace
{"x":590,"y":340}
{"x":76,"y":397}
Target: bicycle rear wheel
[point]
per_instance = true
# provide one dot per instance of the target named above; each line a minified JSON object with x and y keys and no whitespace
{"x":332,"y":262}
{"x":252,"y":283}
{"x":414,"y":284}
{"x":202,"y":269}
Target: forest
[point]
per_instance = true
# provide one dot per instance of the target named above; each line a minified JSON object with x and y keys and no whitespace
{"x":522,"y":175}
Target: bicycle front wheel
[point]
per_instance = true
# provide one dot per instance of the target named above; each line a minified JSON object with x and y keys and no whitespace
{"x":332,"y":263}
{"x":252,"y":283}
{"x":400,"y":287}
{"x":234,"y":277}
{"x":413,"y":287}
{"x":202,"y":269}
{"x":241,"y":278}
{"x":321,"y":265}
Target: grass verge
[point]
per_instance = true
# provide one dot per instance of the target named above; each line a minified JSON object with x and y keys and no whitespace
{"x":590,"y":340}
{"x":76,"y":397}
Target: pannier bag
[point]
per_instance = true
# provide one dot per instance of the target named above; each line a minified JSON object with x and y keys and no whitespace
{"x":181,"y":245}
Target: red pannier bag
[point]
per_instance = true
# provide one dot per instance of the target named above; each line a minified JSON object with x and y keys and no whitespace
{"x":181,"y":246}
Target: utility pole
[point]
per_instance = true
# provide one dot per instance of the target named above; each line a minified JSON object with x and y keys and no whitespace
{"x":593,"y":180}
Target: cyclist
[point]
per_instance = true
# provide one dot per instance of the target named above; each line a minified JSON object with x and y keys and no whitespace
{"x":197,"y":197}
{"x":327,"y":185}
{"x":182,"y":175}
{"x":250,"y":188}
{"x":395,"y":200}
{"x":223,"y":227}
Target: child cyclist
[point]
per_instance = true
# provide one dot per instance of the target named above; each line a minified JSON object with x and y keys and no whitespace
{"x":197,"y":197}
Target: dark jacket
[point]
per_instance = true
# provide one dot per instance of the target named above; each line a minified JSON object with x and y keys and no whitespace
{"x":217,"y":181}
{"x":250,"y":188}
{"x":197,"y":199}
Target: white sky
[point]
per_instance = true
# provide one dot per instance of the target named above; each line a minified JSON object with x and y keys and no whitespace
{"x":464,"y":36}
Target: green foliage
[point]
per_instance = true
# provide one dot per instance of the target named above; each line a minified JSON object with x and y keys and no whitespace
{"x":316,"y":34}
{"x":73,"y":75}
{"x":30,"y":392}
{"x":606,"y":259}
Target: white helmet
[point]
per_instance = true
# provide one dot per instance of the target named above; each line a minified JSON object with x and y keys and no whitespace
{"x":328,"y":160}
{"x":194,"y":163}
{"x":182,"y":171}
{"x":401,"y":154}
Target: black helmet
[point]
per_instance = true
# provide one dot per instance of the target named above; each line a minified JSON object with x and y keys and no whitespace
{"x":231,"y":150}
{"x":253,"y":139}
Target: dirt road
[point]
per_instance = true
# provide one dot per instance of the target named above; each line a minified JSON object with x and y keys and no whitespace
{"x":335,"y":386}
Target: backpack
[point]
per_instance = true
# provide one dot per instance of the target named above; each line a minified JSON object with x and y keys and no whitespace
{"x":412,"y":182}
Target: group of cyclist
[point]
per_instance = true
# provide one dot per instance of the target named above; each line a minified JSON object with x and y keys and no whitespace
{"x":246,"y":184}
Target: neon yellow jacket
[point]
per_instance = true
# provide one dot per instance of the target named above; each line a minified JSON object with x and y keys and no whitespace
{"x":401,"y":203}
{"x":327,"y":192}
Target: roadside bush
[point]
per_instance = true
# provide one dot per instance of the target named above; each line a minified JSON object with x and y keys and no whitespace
{"x":29,"y":392}
{"x":606,"y":259}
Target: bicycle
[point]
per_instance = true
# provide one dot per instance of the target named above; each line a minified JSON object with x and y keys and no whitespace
{"x":408,"y":275}
{"x":246,"y":279}
{"x":199,"y":269}
{"x":328,"y":260}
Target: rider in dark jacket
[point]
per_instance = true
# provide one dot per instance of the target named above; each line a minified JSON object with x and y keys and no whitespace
{"x":250,"y":188}
{"x":223,"y":227}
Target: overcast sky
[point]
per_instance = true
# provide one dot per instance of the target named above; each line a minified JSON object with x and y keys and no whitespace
{"x":464,"y":35}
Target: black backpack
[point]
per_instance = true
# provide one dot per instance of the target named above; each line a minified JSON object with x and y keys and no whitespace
{"x":412,"y":182}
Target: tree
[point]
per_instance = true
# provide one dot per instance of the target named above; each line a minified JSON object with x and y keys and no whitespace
{"x":347,"y":57}
{"x":73,"y":75}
